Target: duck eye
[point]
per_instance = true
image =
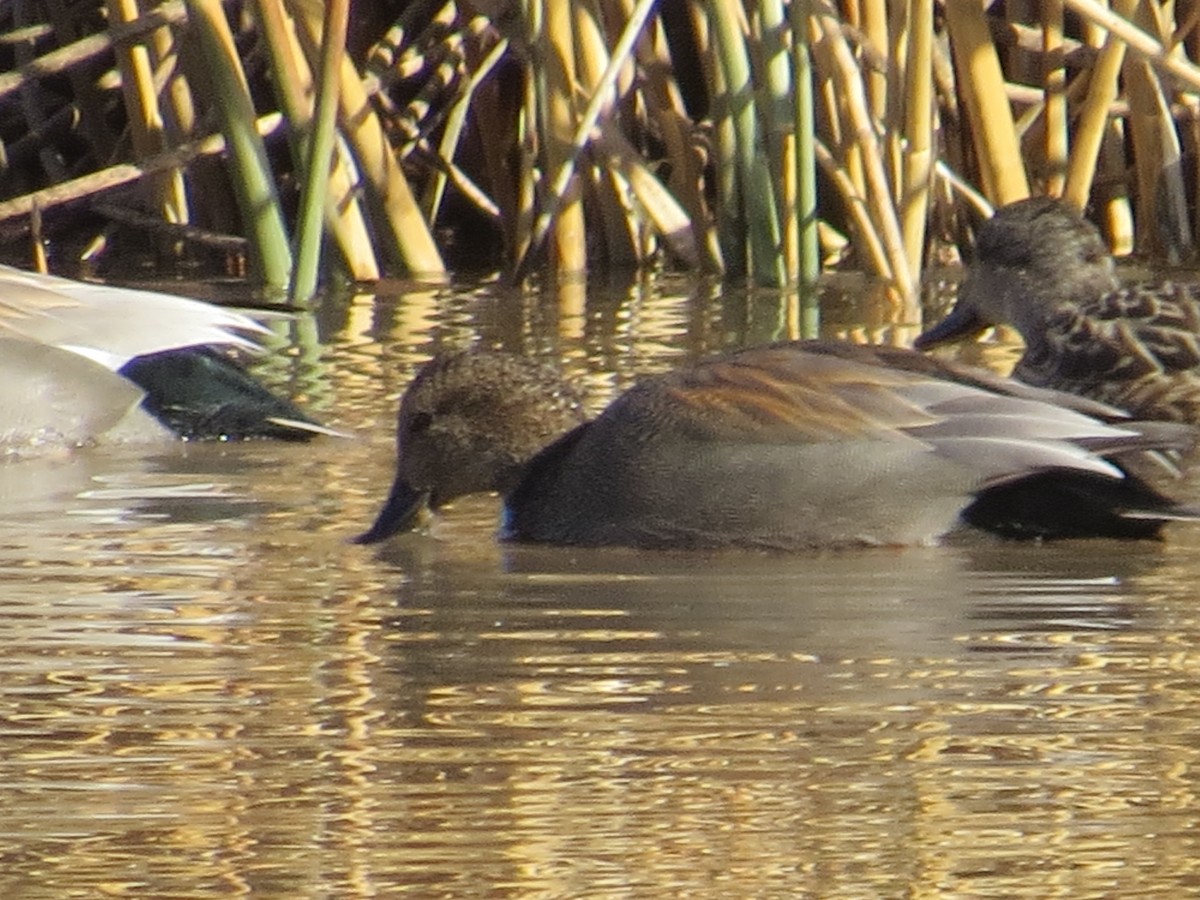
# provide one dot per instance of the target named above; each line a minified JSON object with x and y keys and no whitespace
{"x":419,"y":422}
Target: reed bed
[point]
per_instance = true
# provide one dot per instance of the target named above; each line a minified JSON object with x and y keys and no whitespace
{"x":757,"y":139}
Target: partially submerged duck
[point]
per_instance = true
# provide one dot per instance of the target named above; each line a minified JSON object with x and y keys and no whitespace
{"x":1043,"y":268}
{"x":82,"y":362}
{"x":789,"y":446}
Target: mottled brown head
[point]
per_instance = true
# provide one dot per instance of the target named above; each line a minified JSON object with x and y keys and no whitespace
{"x":469,"y":423}
{"x":1031,"y":258}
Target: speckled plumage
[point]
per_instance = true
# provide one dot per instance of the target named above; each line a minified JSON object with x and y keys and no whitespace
{"x":1044,"y":269}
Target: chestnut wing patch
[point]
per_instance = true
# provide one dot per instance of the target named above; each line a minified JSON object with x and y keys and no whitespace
{"x":779,"y":395}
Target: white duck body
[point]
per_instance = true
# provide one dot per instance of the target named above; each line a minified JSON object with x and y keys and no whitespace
{"x":64,"y":342}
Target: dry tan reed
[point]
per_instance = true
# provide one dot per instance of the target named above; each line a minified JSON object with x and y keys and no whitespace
{"x":526,"y":134}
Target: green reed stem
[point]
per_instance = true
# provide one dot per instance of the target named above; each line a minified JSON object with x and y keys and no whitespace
{"x":293,"y":84}
{"x":806,"y":173}
{"x":309,"y":232}
{"x":756,"y":192}
{"x":253,"y":183}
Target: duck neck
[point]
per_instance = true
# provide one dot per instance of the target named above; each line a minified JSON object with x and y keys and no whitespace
{"x":1030,"y":318}
{"x":509,"y":476}
{"x":1038,"y":307}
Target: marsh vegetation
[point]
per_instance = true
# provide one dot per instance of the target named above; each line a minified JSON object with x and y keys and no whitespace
{"x":755,"y":139}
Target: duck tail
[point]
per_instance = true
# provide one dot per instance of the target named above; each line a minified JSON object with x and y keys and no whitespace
{"x":1071,"y":503}
{"x":202,"y":394}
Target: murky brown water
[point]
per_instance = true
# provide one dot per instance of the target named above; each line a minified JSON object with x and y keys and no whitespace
{"x":204,"y":689}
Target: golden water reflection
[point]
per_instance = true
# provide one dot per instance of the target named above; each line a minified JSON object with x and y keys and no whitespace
{"x":204,"y":689}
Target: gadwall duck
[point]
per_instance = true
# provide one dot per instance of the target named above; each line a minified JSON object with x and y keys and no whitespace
{"x":81,"y":362}
{"x":787,"y":446}
{"x":1044,"y":269}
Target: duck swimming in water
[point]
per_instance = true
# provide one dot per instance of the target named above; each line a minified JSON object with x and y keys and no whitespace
{"x":1043,"y":268}
{"x":81,"y":362}
{"x":788,"y":446}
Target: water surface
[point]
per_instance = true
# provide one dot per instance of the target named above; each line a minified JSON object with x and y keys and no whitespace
{"x":204,"y":688}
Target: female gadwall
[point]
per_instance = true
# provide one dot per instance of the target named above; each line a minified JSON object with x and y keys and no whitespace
{"x":1044,"y":269}
{"x":80,"y":362}
{"x":786,"y":446}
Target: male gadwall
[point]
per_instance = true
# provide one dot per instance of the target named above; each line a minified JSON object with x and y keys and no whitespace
{"x":1044,"y":269}
{"x":786,"y":446}
{"x":81,"y":362}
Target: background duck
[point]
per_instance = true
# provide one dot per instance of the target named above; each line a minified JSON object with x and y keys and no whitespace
{"x":787,"y":446}
{"x":83,"y":362}
{"x":1044,"y":269}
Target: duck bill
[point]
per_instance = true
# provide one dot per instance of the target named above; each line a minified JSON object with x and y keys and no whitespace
{"x":401,"y":512}
{"x":961,"y":323}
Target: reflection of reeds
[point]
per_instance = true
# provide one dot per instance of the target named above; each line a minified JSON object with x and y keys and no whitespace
{"x":533,"y":133}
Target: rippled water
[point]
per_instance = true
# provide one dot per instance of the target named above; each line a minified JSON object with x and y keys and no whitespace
{"x":204,"y":688}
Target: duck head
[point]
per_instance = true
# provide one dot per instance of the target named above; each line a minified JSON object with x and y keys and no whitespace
{"x":1031,"y":257}
{"x":469,"y":423}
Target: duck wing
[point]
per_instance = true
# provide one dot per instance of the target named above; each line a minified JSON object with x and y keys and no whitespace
{"x":808,"y":393}
{"x":111,"y":325}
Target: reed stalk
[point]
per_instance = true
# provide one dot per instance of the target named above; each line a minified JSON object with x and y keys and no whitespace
{"x":1116,"y":21}
{"x":916,"y":176}
{"x":84,"y":84}
{"x":147,"y":127}
{"x":554,"y":45}
{"x":1093,"y":117}
{"x":700,"y":136}
{"x":874,"y":24}
{"x":293,"y":84}
{"x":601,"y":100}
{"x":980,"y":82}
{"x":526,"y":192}
{"x":729,"y":208}
{"x":666,"y":215}
{"x":840,"y":133}
{"x":777,"y":100}
{"x":878,"y":193}
{"x":667,"y":112}
{"x":403,"y":230}
{"x":441,"y":59}
{"x":872,"y":250}
{"x":309,"y":231}
{"x":178,"y":102}
{"x":754,"y":190}
{"x":253,"y":181}
{"x":1054,"y":116}
{"x":808,"y":245}
{"x":624,"y":232}
{"x":76,"y":189}
{"x":456,"y":123}
{"x":1157,"y":153}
